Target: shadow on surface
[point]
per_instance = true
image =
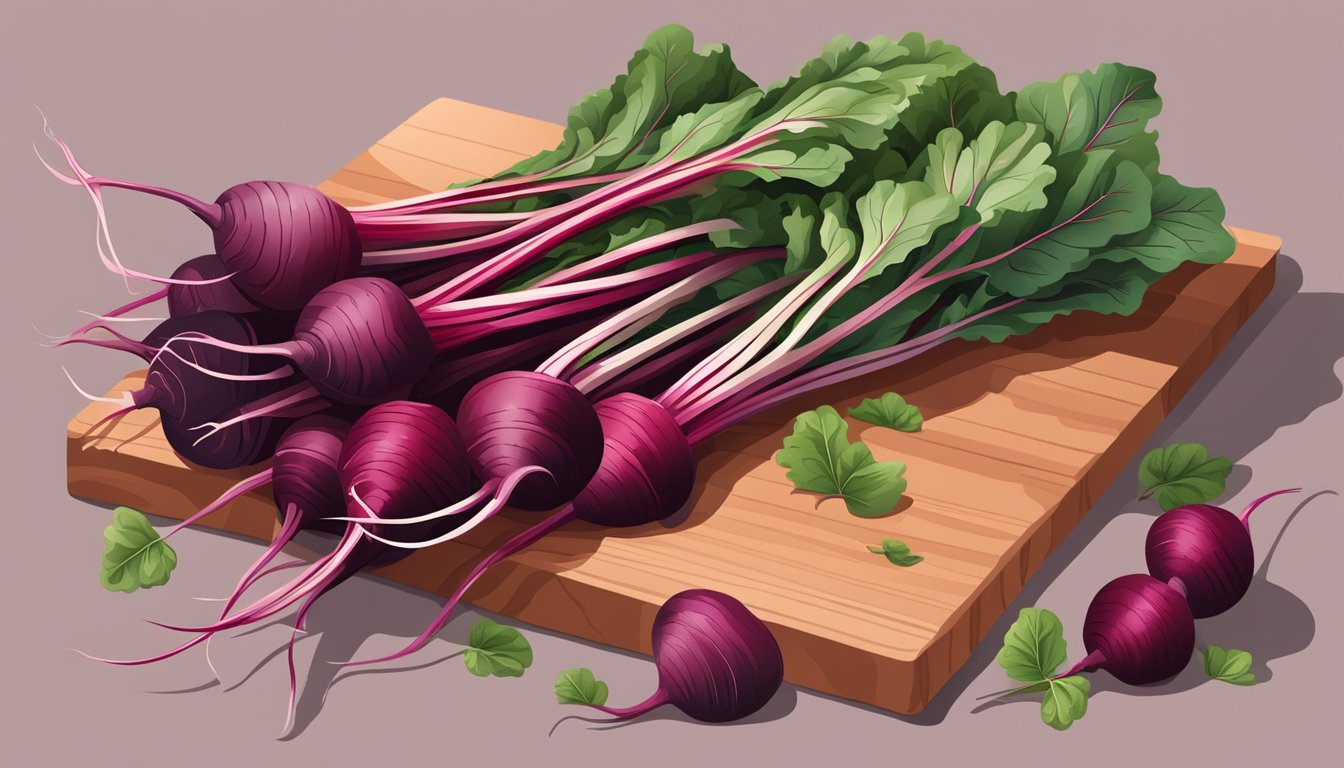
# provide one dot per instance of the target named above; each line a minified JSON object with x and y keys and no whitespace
{"x":1274,"y":373}
{"x":1269,"y":622}
{"x":780,"y":705}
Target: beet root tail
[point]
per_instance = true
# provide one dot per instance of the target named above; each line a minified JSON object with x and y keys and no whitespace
{"x":1246,"y":515}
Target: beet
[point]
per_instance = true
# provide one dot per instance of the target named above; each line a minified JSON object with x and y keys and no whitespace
{"x":283,"y":242}
{"x":188,"y":299}
{"x":647,"y":471}
{"x":1205,"y":553}
{"x":1139,"y":629}
{"x":520,"y":419}
{"x":716,"y":661}
{"x":187,"y":398}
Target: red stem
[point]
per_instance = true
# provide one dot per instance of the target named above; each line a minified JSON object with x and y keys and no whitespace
{"x":510,"y":548}
{"x":1089,"y":663}
{"x":207,"y":212}
{"x":288,"y":528}
{"x":658,"y":699}
{"x":123,"y":309}
{"x":1246,"y":515}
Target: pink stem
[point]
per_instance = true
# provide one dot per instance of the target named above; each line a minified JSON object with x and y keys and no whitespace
{"x":286,"y":595}
{"x":1089,"y":663}
{"x":295,"y":401}
{"x":668,"y":363}
{"x":634,"y":250}
{"x":658,"y":699}
{"x":288,"y":528}
{"x":521,"y":541}
{"x":1246,"y":515}
{"x":130,"y":306}
{"x":639,"y":315}
{"x":482,"y":192}
{"x":615,"y":365}
{"x":243,"y":486}
{"x":584,"y":217}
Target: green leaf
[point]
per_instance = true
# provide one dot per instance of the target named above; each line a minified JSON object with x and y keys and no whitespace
{"x":620,"y":126}
{"x":1183,"y":473}
{"x":578,"y":686}
{"x":895,"y":219}
{"x":1229,"y":665}
{"x":494,"y":649}
{"x":1091,"y":111}
{"x":709,"y":127}
{"x":1103,"y":199}
{"x":1004,"y":168}
{"x":896,"y":552}
{"x":819,"y":164}
{"x":1186,"y":225}
{"x":799,"y":228}
{"x":1034,"y":646}
{"x":968,"y":99}
{"x":889,"y":410}
{"x":1065,"y":701}
{"x":820,"y":459}
{"x":1106,"y":288}
{"x":134,"y":554}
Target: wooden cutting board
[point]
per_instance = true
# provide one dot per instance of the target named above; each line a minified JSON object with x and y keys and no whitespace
{"x":1019,"y":440}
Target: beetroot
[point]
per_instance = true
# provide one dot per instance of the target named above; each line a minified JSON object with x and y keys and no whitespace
{"x":519,"y":420}
{"x":189,"y":298}
{"x":1205,"y":553}
{"x":359,"y":341}
{"x":716,"y":661}
{"x":1138,"y":629}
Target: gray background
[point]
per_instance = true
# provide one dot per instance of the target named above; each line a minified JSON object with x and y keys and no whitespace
{"x":199,"y":96}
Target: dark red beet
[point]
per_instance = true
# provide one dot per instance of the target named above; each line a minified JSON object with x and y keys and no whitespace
{"x":716,"y":661}
{"x":1139,"y":629}
{"x":306,"y":487}
{"x":284,"y":242}
{"x":646,"y":473}
{"x":190,"y":299}
{"x":304,"y":472}
{"x":404,"y":459}
{"x":647,"y":470}
{"x":400,"y":459}
{"x":360,"y":341}
{"x":187,"y":398}
{"x":518,"y":419}
{"x":1204,"y":552}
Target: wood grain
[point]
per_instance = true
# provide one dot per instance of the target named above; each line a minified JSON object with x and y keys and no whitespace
{"x":1019,"y":440}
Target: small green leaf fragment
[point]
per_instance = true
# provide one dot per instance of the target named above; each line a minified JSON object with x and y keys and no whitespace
{"x":889,"y":410}
{"x":820,"y":459}
{"x":494,"y":649}
{"x":1034,"y":646}
{"x":135,"y":556}
{"x":579,"y":686}
{"x":896,"y":552}
{"x":1065,"y":702}
{"x":1183,"y":473}
{"x":1229,"y":665}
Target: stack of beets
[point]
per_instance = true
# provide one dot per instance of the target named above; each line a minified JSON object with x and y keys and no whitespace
{"x":560,"y":338}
